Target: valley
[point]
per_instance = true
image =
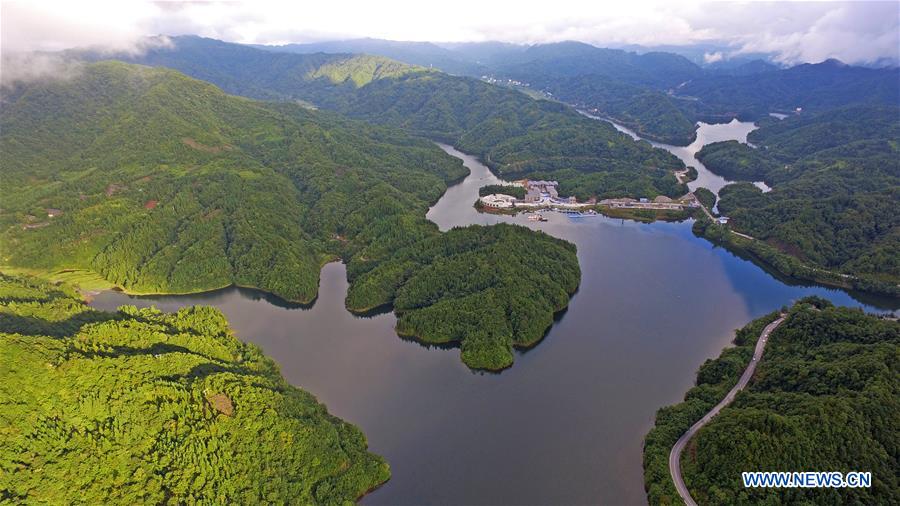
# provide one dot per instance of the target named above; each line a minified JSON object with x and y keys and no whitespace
{"x":694,"y":294}
{"x":241,"y":262}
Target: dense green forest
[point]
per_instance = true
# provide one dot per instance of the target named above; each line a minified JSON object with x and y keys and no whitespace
{"x":660,"y":95}
{"x":835,"y":198}
{"x":650,"y":113}
{"x":824,"y":398}
{"x":736,"y":161}
{"x":165,"y":184}
{"x":161,"y":184}
{"x":812,"y":87}
{"x":487,"y":288}
{"x":572,"y":58}
{"x":141,"y":406}
{"x":706,"y":197}
{"x":625,"y":86}
{"x":425,"y":54}
{"x":512,"y":133}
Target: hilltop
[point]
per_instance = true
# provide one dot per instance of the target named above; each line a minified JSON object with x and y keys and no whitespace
{"x":513,"y":134}
{"x":160,"y":183}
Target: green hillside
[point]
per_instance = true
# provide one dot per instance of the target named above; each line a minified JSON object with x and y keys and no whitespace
{"x":140,"y":406}
{"x":164,"y":184}
{"x":834,"y":203}
{"x":812,"y":87}
{"x":736,"y":161}
{"x":626,"y":86}
{"x":487,"y":288}
{"x":515,"y":135}
{"x":824,"y":398}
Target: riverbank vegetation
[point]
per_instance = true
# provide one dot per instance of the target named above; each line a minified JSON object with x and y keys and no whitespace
{"x":784,"y":264}
{"x":735,"y":161}
{"x":489,"y":289}
{"x":714,"y":379}
{"x":647,"y":215}
{"x":834,"y":200}
{"x":706,"y":197}
{"x":649,"y":112}
{"x":140,"y":406}
{"x":163,"y":184}
{"x":504,"y":189}
{"x":824,"y":397}
{"x":626,"y":86}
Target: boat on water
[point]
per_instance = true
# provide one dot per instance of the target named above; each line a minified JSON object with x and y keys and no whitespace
{"x":536,"y":217}
{"x":590,"y":213}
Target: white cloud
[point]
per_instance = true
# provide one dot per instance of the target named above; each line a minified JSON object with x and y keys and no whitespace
{"x":18,"y":68}
{"x":713,"y":57}
{"x":847,"y":32}
{"x":807,"y":31}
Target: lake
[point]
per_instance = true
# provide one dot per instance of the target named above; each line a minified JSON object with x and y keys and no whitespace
{"x":565,"y":424}
{"x":706,"y":134}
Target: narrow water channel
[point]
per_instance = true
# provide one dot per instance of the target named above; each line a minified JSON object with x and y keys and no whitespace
{"x":565,"y":424}
{"x":706,"y":134}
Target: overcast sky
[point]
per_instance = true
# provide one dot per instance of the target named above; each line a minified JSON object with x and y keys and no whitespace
{"x":854,"y":32}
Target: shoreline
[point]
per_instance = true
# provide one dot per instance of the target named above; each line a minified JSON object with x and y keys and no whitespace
{"x":749,"y":249}
{"x":88,"y":293}
{"x":799,"y":271}
{"x":457,"y":343}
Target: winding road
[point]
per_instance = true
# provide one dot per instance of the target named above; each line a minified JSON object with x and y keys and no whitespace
{"x":675,"y":455}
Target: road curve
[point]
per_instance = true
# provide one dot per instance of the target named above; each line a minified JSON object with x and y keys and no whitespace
{"x":675,"y":455}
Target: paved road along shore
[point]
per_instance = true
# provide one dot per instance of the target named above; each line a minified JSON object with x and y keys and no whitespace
{"x":675,"y":455}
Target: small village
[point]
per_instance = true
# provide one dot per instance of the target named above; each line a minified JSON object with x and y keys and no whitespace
{"x":540,"y":194}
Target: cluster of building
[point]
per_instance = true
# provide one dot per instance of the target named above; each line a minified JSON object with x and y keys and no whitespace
{"x":541,"y":194}
{"x":498,"y":201}
{"x":538,"y":194}
{"x":544,"y":192}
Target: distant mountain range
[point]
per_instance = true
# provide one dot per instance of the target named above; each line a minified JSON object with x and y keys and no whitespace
{"x":425,"y":54}
{"x":206,"y":164}
{"x":659,"y":93}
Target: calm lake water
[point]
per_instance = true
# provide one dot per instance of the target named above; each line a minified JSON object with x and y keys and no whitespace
{"x":565,"y":424}
{"x":706,"y":134}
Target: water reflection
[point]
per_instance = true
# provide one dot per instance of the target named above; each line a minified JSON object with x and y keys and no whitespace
{"x":565,"y":424}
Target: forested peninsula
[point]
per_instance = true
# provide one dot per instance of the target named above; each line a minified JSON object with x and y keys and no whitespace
{"x":824,"y":398}
{"x":832,"y":213}
{"x":140,"y":406}
{"x":161,"y":183}
{"x":488,"y":288}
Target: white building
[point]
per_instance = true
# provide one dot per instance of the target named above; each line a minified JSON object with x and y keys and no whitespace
{"x":498,"y":201}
